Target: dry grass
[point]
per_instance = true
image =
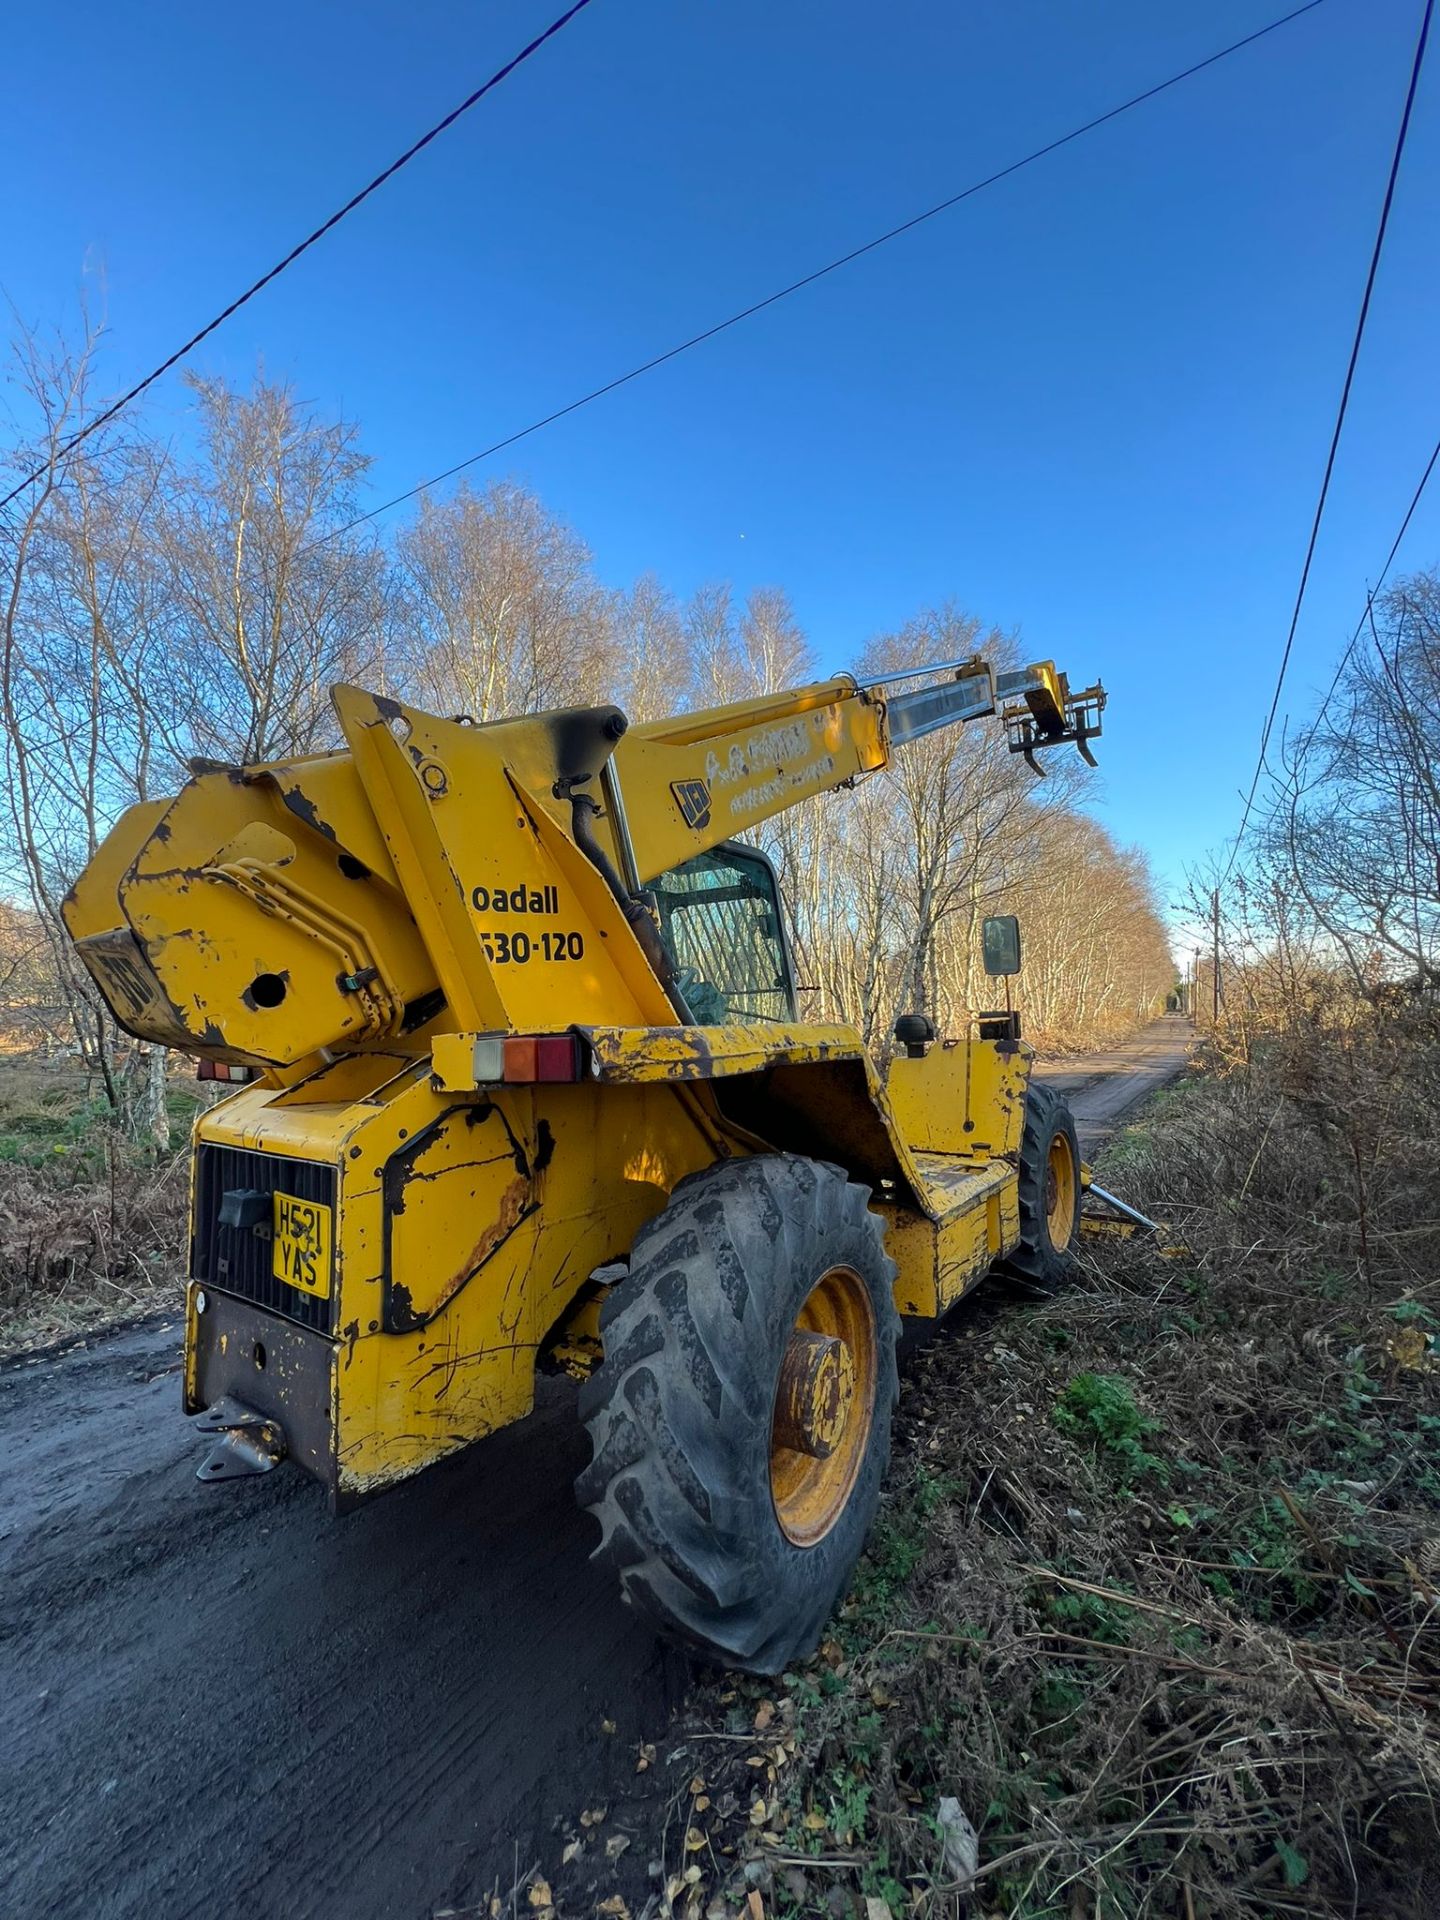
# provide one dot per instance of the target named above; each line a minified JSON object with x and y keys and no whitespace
{"x":1155,"y":1595}
{"x":91,"y":1227}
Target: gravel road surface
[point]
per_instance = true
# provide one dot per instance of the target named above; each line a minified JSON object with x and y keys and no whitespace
{"x":220,"y":1702}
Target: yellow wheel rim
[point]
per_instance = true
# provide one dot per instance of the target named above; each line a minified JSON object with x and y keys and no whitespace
{"x":1060,"y":1188}
{"x":824,"y":1407}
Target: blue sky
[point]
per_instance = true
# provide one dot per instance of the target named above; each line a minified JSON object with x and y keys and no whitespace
{"x":1092,"y":403}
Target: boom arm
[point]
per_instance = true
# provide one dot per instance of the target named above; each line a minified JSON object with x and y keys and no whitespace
{"x":732,"y":767}
{"x":442,"y":876}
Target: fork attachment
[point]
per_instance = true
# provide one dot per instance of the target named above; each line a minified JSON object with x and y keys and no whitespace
{"x":1040,"y":711}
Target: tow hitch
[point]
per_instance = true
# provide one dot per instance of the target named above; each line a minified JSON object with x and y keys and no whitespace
{"x":250,"y":1441}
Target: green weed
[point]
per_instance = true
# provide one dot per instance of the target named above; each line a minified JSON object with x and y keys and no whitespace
{"x":1100,"y":1408}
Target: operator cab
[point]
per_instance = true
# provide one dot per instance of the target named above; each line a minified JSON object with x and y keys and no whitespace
{"x":720,"y":918}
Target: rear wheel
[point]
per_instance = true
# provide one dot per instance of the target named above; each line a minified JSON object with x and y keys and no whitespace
{"x":740,"y":1418}
{"x":1049,"y":1196}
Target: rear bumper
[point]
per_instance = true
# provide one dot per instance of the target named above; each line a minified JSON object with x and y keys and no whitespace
{"x":235,"y":1350}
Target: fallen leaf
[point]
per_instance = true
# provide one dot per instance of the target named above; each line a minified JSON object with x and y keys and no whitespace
{"x":694,"y":1839}
{"x":697,"y":1785}
{"x":757,"y":1760}
{"x":607,"y":1726}
{"x":764,"y":1714}
{"x":755,"y":1904}
{"x":813,"y":1822}
{"x":614,"y":1905}
{"x":646,"y":1759}
{"x":780,"y":1756}
{"x":592,"y":1816}
{"x":570,"y":1852}
{"x":759,"y":1814}
{"x":691,"y":1875}
{"x":877,"y":1909}
{"x":1410,"y":1349}
{"x":539,"y":1894}
{"x":702,"y":1801}
{"x":880,"y":1698}
{"x":616,"y":1845}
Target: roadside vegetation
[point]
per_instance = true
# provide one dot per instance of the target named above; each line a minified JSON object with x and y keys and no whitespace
{"x":92,"y":1220}
{"x":1150,"y":1624}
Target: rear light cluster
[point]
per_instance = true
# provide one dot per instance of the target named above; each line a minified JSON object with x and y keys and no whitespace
{"x":225,"y":1070}
{"x":527,"y":1059}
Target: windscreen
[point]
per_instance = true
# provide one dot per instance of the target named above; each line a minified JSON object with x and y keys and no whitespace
{"x":720,"y":917}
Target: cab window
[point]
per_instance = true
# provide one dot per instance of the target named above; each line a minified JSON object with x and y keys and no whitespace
{"x":720,"y":916}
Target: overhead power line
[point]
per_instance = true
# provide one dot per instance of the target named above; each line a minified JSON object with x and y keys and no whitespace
{"x":832,"y":266}
{"x":1364,"y":314}
{"x":441,"y":126}
{"x":1368,"y":616}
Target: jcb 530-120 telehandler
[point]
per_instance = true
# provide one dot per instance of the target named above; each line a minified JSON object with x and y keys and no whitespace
{"x":525,"y":1085}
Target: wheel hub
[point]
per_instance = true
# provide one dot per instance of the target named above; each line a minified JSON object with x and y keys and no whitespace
{"x":815,"y":1393}
{"x":824,"y":1406}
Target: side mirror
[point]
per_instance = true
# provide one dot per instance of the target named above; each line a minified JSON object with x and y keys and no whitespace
{"x":1000,"y":944}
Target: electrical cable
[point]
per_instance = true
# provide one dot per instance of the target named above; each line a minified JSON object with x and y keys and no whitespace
{"x":809,"y":279}
{"x":1339,"y":424}
{"x":441,"y":126}
{"x":1368,"y":615}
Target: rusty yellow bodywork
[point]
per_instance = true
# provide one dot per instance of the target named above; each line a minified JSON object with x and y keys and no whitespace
{"x":386,"y":1234}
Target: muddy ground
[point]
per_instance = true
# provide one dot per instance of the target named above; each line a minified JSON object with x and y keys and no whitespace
{"x":219,"y":1701}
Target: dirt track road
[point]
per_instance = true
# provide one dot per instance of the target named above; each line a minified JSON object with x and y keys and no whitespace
{"x":219,"y":1702}
{"x":1103,"y":1087}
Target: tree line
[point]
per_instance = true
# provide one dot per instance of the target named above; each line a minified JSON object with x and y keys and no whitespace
{"x":162,"y":604}
{"x":1333,"y":900}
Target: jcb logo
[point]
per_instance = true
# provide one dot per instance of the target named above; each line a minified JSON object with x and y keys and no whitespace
{"x":302,"y":1244}
{"x":693,"y":799}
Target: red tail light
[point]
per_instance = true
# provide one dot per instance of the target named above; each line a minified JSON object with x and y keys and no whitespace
{"x":542,"y":1057}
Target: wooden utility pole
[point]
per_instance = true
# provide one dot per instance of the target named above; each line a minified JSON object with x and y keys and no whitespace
{"x":1215,"y":957}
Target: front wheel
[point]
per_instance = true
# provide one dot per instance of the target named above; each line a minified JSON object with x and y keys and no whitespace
{"x":740,"y":1418}
{"x":1049,"y":1196}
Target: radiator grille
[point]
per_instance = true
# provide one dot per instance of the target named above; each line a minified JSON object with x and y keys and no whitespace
{"x":237,"y":1259}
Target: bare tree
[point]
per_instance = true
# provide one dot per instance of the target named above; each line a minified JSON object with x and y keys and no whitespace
{"x":503,"y":611}
{"x":653,"y":663}
{"x":1356,"y":814}
{"x":67,"y":774}
{"x":271,"y":596}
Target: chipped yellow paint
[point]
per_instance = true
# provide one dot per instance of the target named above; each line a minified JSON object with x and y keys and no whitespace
{"x":353,"y":922}
{"x":751,"y":760}
{"x":962,"y":1097}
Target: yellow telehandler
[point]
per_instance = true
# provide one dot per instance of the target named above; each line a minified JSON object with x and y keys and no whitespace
{"x":524,"y":1085}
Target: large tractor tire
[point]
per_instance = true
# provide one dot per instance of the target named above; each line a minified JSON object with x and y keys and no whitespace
{"x":740,"y":1417}
{"x":1049,"y":1197}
